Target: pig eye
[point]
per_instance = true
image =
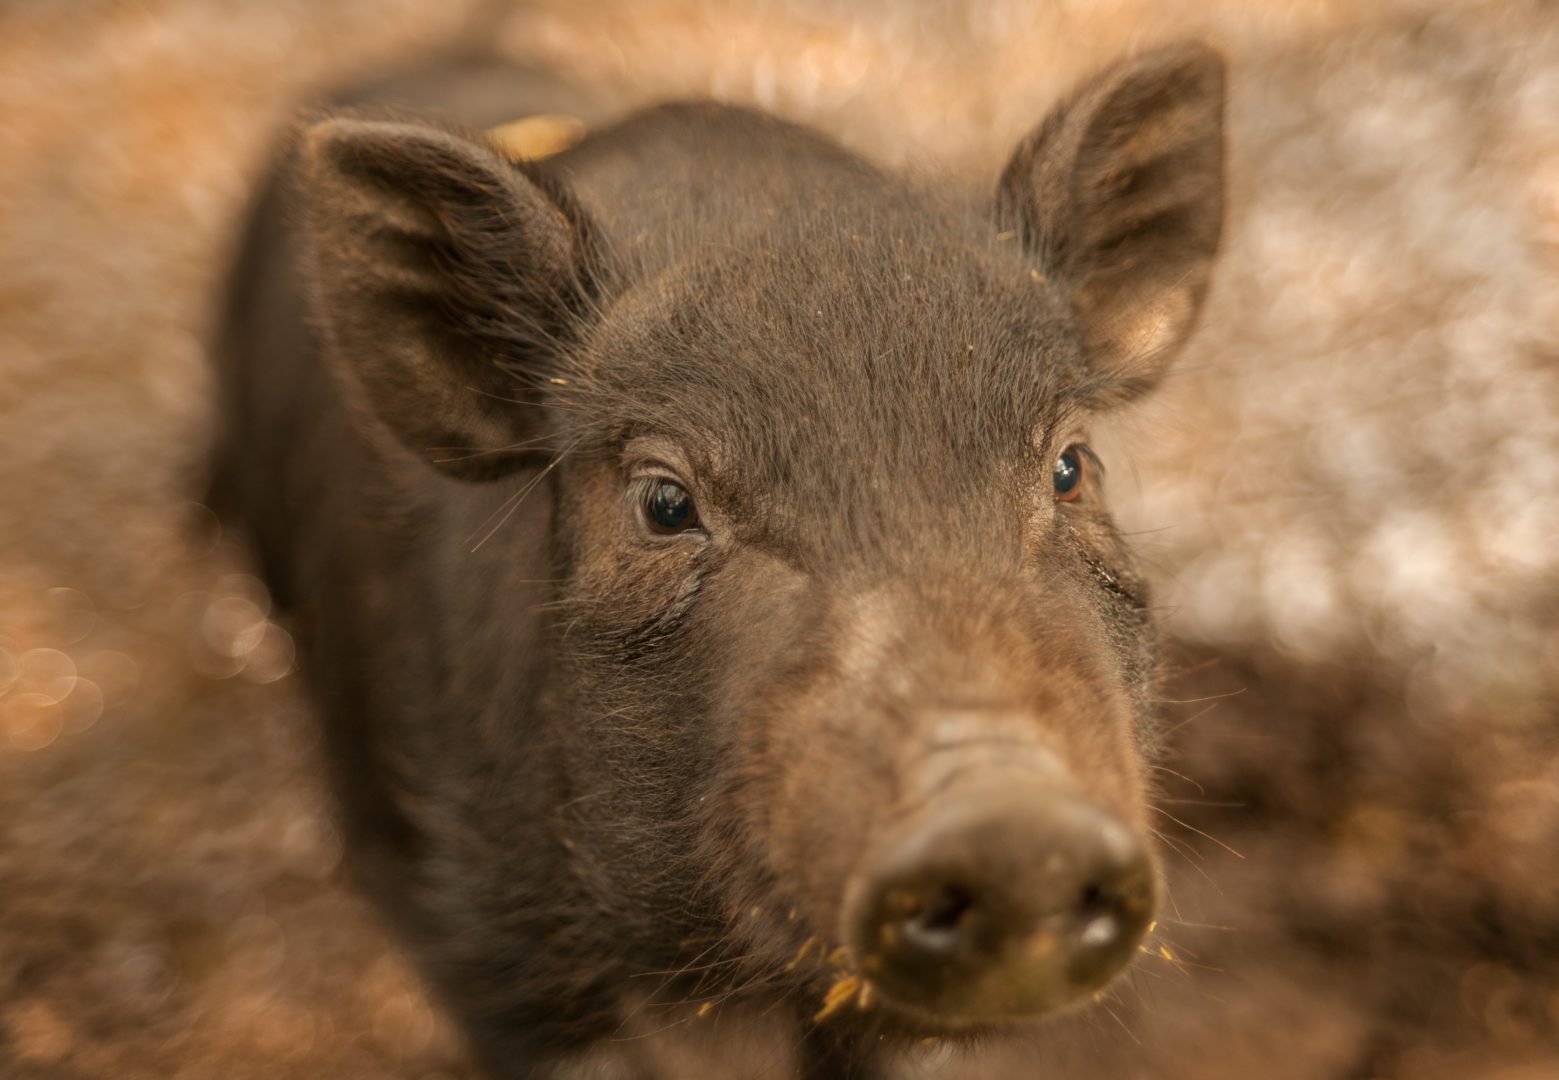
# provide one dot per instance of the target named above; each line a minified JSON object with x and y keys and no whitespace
{"x":1068,"y":474}
{"x":669,"y":509}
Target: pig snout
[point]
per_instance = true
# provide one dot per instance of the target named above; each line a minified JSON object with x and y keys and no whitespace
{"x":1007,"y":895}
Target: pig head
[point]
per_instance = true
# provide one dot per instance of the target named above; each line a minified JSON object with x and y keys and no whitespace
{"x":724,"y":602}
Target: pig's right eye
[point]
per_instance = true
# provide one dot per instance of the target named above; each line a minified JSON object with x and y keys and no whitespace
{"x":1067,"y":474}
{"x":669,"y":509}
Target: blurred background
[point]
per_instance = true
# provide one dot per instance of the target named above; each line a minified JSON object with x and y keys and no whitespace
{"x":1349,"y":495}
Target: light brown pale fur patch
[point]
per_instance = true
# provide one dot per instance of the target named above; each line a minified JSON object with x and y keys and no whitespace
{"x":531,"y":138}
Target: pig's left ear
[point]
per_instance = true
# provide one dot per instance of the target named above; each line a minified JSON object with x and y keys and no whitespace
{"x":449,"y":282}
{"x":1119,"y":197}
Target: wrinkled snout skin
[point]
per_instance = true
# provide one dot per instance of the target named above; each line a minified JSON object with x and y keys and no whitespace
{"x":697,"y":558}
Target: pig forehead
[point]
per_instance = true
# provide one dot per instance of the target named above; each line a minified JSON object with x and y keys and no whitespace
{"x":912,"y":351}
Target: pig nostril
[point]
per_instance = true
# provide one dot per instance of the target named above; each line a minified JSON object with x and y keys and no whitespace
{"x":946,"y":909}
{"x":935,"y":922}
{"x":1099,"y":902}
{"x":1098,"y":916}
{"x":1091,"y":901}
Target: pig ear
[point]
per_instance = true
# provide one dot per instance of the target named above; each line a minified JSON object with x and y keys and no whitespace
{"x":1119,"y":195}
{"x":447,"y":282}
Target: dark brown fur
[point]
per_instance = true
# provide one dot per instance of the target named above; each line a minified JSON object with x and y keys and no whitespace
{"x":581,"y":765}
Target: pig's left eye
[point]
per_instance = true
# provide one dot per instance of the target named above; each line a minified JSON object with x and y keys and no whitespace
{"x":669,"y":509}
{"x":1067,"y":475}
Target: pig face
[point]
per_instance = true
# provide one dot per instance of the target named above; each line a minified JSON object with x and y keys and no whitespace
{"x":845,"y":582}
{"x":850,"y":675}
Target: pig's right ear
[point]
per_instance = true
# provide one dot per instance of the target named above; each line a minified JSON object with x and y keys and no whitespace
{"x":1119,"y":197}
{"x":447,"y":281}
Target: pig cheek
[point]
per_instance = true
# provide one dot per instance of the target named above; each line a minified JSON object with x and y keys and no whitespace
{"x":1115,"y":742}
{"x":1092,"y":710}
{"x":1102,"y":751}
{"x":617,"y":579}
{"x":832,"y":780}
{"x":806,"y":790}
{"x":1094,"y":727}
{"x":1090,"y":714}
{"x":824,"y":807}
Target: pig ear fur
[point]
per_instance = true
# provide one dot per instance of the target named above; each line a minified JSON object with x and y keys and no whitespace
{"x":1119,"y":194}
{"x":445,"y":278}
